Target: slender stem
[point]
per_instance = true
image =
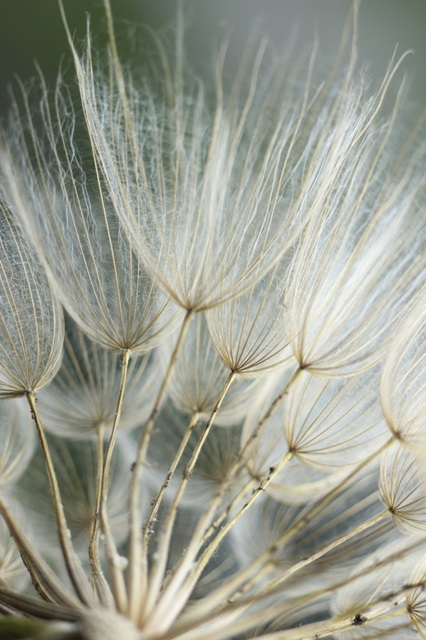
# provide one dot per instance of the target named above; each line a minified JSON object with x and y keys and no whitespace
{"x":308,"y":516}
{"x":250,"y":485}
{"x":166,"y":531}
{"x":44,"y":580}
{"x":255,"y":492}
{"x":6,"y":610}
{"x":101,"y":513}
{"x":41,"y":610}
{"x":72,"y":561}
{"x":233,"y":585}
{"x":116,"y":567}
{"x":264,"y":419}
{"x":240,"y":458}
{"x":202,"y":615}
{"x":172,"y":468}
{"x":382,"y":607}
{"x":174,"y":592}
{"x":336,"y":625}
{"x":99,"y":581}
{"x":210,"y":550}
{"x":315,"y":556}
{"x":221,"y":628}
{"x":137,"y":577}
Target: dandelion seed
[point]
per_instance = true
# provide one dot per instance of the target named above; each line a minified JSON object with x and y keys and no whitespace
{"x":204,"y":197}
{"x":404,"y":380}
{"x":91,"y":266}
{"x":81,"y":401}
{"x":248,"y":331}
{"x":402,"y":488}
{"x":199,"y":376}
{"x":361,"y":256}
{"x":32,"y":331}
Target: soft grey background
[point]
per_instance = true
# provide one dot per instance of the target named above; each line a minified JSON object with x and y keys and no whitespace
{"x":31,"y":30}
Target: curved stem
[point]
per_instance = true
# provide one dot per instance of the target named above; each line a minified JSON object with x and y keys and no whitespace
{"x":44,"y":580}
{"x":72,"y":561}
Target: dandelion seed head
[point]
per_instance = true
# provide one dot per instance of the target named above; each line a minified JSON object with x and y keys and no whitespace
{"x":231,"y":445}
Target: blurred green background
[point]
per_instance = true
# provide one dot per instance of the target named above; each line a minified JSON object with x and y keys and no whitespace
{"x":31,"y":30}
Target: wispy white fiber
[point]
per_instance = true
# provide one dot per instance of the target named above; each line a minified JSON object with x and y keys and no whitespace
{"x":31,"y":319}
